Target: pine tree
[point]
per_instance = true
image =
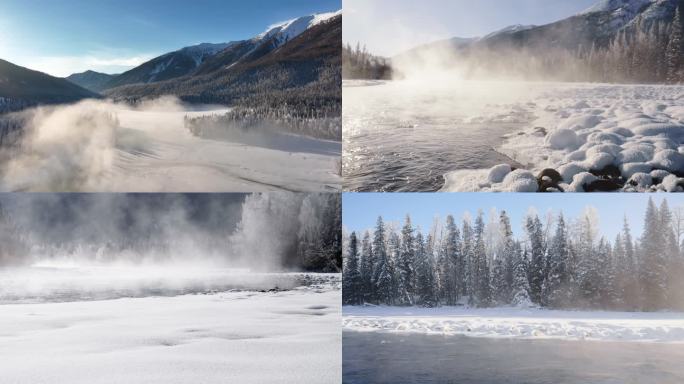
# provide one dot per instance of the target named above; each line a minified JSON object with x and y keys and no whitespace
{"x":366,"y":269}
{"x":483,"y":292}
{"x":405,"y":268}
{"x":424,"y":279}
{"x":653,"y":269}
{"x":556,"y":292}
{"x":452,"y":250}
{"x":675,"y":48}
{"x":382,"y":275}
{"x":521,"y":285}
{"x":536,"y":271}
{"x":352,"y":287}
{"x":470,"y":281}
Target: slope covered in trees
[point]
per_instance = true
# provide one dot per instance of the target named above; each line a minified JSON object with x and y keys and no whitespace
{"x":632,"y":44}
{"x":21,"y":87}
{"x":558,"y":263}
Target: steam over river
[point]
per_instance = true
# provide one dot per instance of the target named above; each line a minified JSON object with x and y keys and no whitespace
{"x":401,"y":138}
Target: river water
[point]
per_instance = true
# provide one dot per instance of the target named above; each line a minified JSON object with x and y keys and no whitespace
{"x":375,"y":357}
{"x":402,"y":137}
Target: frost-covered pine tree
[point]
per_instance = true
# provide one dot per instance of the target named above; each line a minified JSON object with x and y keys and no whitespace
{"x":537,"y":265}
{"x":653,"y":268}
{"x":352,"y":288}
{"x":382,"y":275}
{"x":507,"y":252}
{"x":366,"y":269}
{"x":521,"y":285}
{"x":404,"y":265}
{"x":483,"y":291}
{"x":424,"y":279}
{"x":556,"y":286}
{"x":469,"y":283}
{"x":399,"y":294}
{"x":453,"y":256}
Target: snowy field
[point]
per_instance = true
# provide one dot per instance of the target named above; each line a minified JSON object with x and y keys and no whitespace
{"x":76,"y":149}
{"x":661,"y":327}
{"x":585,"y":130}
{"x":205,"y":336}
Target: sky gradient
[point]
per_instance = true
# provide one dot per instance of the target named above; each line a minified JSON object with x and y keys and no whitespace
{"x":360,"y":210}
{"x":388,"y":27}
{"x":111,"y":36}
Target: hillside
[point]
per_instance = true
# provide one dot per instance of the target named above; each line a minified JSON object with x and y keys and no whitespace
{"x":303,"y":70}
{"x":614,"y":41}
{"x":21,"y":86}
{"x":91,"y":80}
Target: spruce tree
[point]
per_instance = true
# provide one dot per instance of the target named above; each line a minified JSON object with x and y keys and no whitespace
{"x":405,"y":267}
{"x":536,"y":271}
{"x":366,"y":269}
{"x":483,"y":291}
{"x":352,"y":287}
{"x":521,"y":285}
{"x":382,"y":275}
{"x":424,"y":280}
{"x":556,"y":293}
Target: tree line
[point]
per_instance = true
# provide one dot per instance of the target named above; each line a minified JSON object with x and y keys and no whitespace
{"x":558,"y":264}
{"x":358,"y":63}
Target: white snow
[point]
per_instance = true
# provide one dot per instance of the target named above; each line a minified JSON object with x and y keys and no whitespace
{"x":576,"y":127}
{"x":288,"y":30}
{"x":217,"y":337}
{"x":153,"y":151}
{"x":664,"y":327}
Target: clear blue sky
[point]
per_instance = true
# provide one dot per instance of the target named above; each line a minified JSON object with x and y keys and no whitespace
{"x":360,"y":210}
{"x":388,"y":27}
{"x":65,"y":36}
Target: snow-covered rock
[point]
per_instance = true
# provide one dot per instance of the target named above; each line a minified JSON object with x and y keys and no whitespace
{"x":498,"y":173}
{"x":563,"y":138}
{"x":520,"y":181}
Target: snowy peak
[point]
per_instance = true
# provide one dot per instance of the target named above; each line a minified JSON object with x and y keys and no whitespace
{"x":290,"y":29}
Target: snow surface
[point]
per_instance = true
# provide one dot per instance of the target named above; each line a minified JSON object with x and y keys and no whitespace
{"x":290,"y":29}
{"x":152,"y":151}
{"x":219,"y":337}
{"x":576,"y":128}
{"x":662,"y":327}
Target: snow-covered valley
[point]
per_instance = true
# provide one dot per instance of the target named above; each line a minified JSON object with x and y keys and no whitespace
{"x":595,"y":136}
{"x":516,"y":323}
{"x":208,"y":334}
{"x":150,"y":149}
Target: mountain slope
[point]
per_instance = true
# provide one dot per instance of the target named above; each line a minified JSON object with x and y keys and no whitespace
{"x":305,"y":69}
{"x":169,"y":66}
{"x":91,"y":80}
{"x":20,"y":83}
{"x":206,"y":58}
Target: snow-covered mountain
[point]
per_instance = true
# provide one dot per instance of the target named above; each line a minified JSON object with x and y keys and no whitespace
{"x":595,"y":25}
{"x":285,"y":31}
{"x":206,"y":57}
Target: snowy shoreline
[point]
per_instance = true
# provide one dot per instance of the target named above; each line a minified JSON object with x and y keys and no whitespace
{"x":630,"y":134}
{"x":516,"y":323}
{"x":243,"y":337}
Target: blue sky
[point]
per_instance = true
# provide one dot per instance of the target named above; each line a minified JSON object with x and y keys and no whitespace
{"x":360,"y":210}
{"x":388,"y":27}
{"x":66,"y":36}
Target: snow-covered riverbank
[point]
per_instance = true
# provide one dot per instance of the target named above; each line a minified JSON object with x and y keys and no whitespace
{"x":288,"y":336}
{"x":630,"y":135}
{"x":665,"y":327}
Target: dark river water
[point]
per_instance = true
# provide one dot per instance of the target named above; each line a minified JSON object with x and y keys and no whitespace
{"x":396,"y":140}
{"x":374,"y":357}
